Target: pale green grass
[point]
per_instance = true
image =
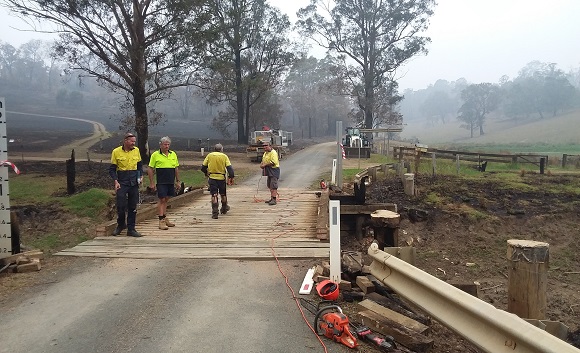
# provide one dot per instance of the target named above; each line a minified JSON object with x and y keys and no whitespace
{"x":87,"y":204}
{"x":502,"y":131}
{"x":27,"y":189}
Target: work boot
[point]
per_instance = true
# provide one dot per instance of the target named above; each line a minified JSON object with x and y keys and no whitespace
{"x":272,"y":202}
{"x":168,"y":222}
{"x":268,"y":201}
{"x":133,"y":233}
{"x":214,"y":210}
{"x":163,"y":224}
{"x":225,"y":208}
{"x":118,"y":231}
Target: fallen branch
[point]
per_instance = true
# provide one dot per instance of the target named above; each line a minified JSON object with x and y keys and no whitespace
{"x":572,"y":273}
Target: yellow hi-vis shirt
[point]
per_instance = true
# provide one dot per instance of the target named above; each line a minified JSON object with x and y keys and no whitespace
{"x":125,"y":160}
{"x":216,"y":163}
{"x":271,"y":158}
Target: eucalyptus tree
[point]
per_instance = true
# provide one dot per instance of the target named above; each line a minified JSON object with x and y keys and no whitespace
{"x":467,"y":114}
{"x":539,"y":88}
{"x":479,"y":100}
{"x":9,"y":57}
{"x":437,"y":106}
{"x":310,"y":92}
{"x":246,"y":59}
{"x":370,"y":39}
{"x":301,"y":90}
{"x":141,"y":49}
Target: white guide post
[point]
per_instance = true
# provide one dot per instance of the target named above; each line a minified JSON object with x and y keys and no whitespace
{"x":333,"y":182}
{"x":5,"y":233}
{"x":334,"y":218}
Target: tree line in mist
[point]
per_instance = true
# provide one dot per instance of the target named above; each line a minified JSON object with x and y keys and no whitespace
{"x":540,"y":90}
{"x":238,"y":56}
{"x":242,"y":64}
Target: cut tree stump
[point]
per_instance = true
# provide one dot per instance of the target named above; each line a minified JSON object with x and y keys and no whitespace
{"x":527,"y":278}
{"x":385,"y":225}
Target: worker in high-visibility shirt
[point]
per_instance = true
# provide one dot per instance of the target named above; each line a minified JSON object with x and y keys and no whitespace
{"x":165,"y":165}
{"x":271,"y":168}
{"x":126,"y":171}
{"x":219,"y":171}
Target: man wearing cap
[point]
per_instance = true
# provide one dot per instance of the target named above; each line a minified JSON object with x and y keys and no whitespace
{"x":271,"y":168}
{"x":125,"y":169}
{"x":164,"y":164}
{"x":217,"y":167}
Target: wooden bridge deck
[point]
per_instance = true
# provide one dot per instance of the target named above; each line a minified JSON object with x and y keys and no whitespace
{"x":250,"y":230}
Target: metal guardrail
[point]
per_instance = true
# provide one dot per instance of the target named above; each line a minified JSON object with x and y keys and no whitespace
{"x":490,"y":329}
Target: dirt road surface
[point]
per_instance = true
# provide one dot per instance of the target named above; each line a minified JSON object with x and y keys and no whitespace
{"x":122,"y":305}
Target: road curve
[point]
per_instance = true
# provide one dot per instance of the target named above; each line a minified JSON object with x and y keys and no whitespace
{"x":80,"y":146}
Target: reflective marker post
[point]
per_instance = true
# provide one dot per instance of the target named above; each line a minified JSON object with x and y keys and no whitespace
{"x":333,"y":179}
{"x":334,"y":219}
{"x":5,"y":233}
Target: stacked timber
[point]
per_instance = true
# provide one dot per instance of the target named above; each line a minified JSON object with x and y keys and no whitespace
{"x":28,"y":261}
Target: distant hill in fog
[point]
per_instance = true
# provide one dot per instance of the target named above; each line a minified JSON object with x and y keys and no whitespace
{"x":562,"y":129}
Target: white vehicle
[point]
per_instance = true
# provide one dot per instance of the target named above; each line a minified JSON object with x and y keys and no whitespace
{"x":277,"y":138}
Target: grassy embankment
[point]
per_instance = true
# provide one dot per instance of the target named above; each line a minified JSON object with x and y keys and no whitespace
{"x":82,"y":211}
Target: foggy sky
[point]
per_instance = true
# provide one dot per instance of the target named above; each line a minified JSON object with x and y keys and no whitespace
{"x":480,"y":40}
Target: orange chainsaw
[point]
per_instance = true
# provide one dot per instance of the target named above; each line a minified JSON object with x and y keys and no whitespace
{"x":332,"y":323}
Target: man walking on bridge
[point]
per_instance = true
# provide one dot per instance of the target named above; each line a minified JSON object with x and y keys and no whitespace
{"x":217,"y":167}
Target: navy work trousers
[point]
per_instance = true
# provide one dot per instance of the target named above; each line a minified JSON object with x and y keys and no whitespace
{"x":127,"y":198}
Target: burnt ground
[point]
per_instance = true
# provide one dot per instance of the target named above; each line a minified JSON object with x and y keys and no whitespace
{"x":451,"y":222}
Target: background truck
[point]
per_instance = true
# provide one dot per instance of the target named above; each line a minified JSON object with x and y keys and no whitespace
{"x":355,"y":144}
{"x":279,"y":139}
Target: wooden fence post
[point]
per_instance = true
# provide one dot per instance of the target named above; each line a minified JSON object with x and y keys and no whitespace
{"x":434,"y":163}
{"x":457,"y":162}
{"x":417,"y":161}
{"x":564,"y":158}
{"x":372,"y":173}
{"x":70,"y":174}
{"x":400,"y":154}
{"x":409,"y":184}
{"x":527,"y":278}
{"x":542,"y":165}
{"x":88,"y":160}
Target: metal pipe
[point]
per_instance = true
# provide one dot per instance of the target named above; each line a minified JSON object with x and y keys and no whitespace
{"x":490,"y":329}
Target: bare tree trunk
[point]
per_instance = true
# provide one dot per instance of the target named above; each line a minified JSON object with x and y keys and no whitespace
{"x":139,"y":93}
{"x":240,"y":99}
{"x":141,"y":122}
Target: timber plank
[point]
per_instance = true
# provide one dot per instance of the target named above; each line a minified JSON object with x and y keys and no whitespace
{"x":277,"y":245}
